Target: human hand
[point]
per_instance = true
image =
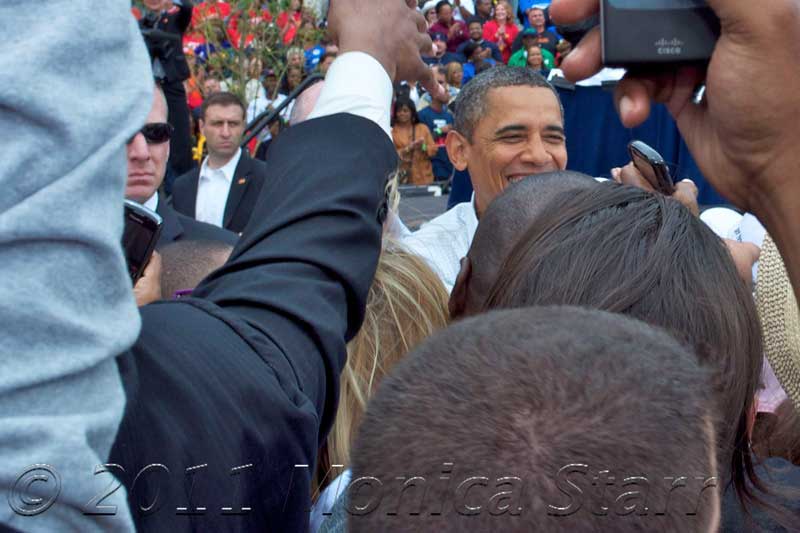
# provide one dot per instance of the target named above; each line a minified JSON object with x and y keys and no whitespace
{"x":148,"y":288}
{"x":685,"y":191}
{"x":395,"y":38}
{"x":745,"y":255}
{"x":743,"y":136}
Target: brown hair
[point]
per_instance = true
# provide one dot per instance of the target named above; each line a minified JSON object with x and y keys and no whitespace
{"x":223,"y":99}
{"x":504,"y":401}
{"x":628,"y":251}
{"x":407,"y":302}
{"x":778,"y":434}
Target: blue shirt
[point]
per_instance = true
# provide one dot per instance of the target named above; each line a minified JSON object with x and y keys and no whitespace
{"x":442,"y":167}
{"x":313,"y":55}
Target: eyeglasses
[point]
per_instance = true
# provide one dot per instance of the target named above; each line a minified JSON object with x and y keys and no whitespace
{"x":155,"y":133}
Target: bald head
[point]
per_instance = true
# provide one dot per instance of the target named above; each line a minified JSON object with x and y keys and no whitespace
{"x":500,"y":227}
{"x":305,"y":103}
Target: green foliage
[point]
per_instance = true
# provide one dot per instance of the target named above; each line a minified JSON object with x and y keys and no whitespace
{"x":255,"y":44}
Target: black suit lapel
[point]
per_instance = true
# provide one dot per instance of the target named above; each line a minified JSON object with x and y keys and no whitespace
{"x":241,"y":179}
{"x":171,"y":229}
{"x":192,"y":196}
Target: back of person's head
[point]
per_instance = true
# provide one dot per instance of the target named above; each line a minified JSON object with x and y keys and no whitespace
{"x":473,"y":100}
{"x":470,"y":49}
{"x":628,"y":251}
{"x":304,"y":104}
{"x":499,"y":229}
{"x":504,"y":422}
{"x":185,"y":263}
{"x":407,"y":302}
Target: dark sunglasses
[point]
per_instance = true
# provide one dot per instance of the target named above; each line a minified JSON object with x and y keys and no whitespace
{"x":155,"y":133}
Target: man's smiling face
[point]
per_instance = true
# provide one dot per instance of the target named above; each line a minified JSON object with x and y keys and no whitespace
{"x":522,"y":133}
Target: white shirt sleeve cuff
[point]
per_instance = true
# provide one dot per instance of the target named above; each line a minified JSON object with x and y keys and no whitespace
{"x":356,"y":83}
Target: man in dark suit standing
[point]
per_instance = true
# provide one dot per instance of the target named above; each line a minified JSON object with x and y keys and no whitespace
{"x":224,"y":190}
{"x":230,"y":392}
{"x":148,"y":152}
{"x":163,"y":24}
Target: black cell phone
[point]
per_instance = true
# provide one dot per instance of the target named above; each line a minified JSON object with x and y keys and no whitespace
{"x":139,"y":238}
{"x":652,"y":166}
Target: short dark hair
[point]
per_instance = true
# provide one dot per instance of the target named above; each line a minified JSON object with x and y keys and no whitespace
{"x":186,"y":263}
{"x":505,"y":221}
{"x":513,"y":397}
{"x":625,"y":250}
{"x":404,"y":101}
{"x":474,"y":20}
{"x":471,"y":103}
{"x":469,"y":49}
{"x":222,"y":99}
{"x":440,"y":4}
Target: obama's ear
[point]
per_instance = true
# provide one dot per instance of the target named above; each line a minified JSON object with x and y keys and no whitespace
{"x":457,"y":149}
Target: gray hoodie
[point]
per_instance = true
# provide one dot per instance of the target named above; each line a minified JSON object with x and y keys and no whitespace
{"x":76,"y":85}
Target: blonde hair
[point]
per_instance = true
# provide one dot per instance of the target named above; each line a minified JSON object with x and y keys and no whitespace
{"x":406,"y":304}
{"x":451,"y":69}
{"x":509,"y":12}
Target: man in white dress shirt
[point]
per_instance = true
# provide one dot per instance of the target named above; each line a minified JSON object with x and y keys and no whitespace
{"x":224,"y":190}
{"x":509,"y":124}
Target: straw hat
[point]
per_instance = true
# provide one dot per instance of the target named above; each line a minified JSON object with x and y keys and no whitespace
{"x":780,"y":319}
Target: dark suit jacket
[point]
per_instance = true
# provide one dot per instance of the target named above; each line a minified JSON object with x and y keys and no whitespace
{"x":496,"y":55}
{"x":175,"y":21}
{"x":177,"y":227}
{"x":248,"y":179}
{"x":247,"y":372}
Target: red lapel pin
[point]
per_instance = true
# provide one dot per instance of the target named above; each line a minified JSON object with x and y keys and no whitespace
{"x":241,"y":181}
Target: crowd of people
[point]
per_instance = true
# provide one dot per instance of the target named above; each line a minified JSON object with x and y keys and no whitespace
{"x":467,"y":40}
{"x":558,"y":353}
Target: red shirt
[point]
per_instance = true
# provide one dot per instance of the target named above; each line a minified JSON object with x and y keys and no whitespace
{"x":202,"y":11}
{"x":255,"y":20}
{"x":461,"y":35}
{"x":283,"y":21}
{"x":491,"y":33}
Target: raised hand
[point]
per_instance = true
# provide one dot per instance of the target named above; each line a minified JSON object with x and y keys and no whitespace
{"x":742,"y":137}
{"x":396,"y":37}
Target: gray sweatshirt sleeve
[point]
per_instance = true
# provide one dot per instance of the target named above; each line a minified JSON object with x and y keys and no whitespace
{"x":76,"y":85}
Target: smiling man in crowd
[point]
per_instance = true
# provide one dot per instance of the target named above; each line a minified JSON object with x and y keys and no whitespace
{"x":509,"y":124}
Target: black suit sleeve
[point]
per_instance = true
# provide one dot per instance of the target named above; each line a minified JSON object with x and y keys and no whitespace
{"x":184,"y":15}
{"x":248,"y":373}
{"x":181,"y":198}
{"x":301,"y":271}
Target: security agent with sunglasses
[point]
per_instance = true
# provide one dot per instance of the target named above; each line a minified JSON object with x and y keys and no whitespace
{"x":148,"y":152}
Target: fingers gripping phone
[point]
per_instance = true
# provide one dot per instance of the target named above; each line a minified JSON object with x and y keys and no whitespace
{"x":652,"y":166}
{"x":139,"y":238}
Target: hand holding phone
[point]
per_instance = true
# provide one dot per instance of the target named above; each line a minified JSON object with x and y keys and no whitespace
{"x":652,"y":166}
{"x":139,"y":238}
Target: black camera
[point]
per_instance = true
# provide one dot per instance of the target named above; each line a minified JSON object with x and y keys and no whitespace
{"x":639,"y":32}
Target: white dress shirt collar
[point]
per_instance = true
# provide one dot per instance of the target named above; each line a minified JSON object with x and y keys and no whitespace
{"x":152,"y":202}
{"x":227,"y":170}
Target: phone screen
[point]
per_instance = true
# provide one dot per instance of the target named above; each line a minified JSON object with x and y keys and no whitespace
{"x":136,"y":239}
